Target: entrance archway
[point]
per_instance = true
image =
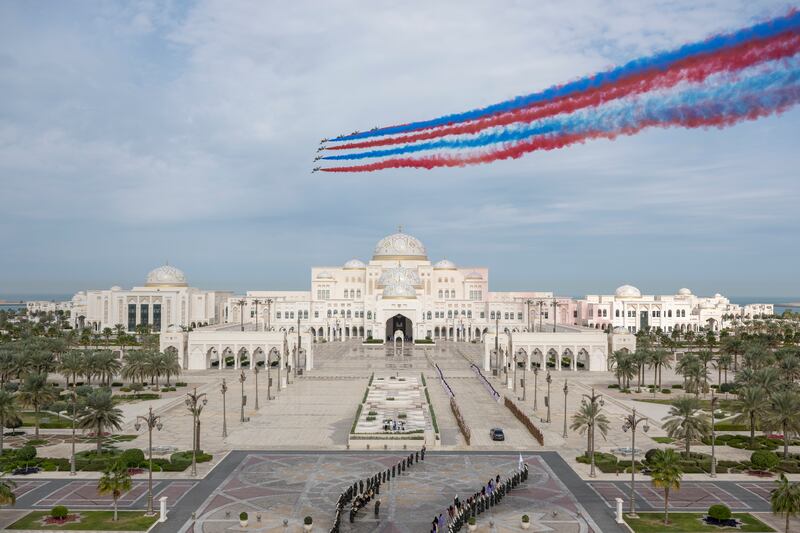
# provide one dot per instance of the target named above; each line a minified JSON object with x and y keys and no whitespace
{"x":402,"y":323}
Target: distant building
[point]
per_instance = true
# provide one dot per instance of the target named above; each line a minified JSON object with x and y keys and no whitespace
{"x":45,"y":306}
{"x":165,"y":300}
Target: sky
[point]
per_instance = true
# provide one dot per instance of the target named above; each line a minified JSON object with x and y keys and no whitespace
{"x":135,"y":133}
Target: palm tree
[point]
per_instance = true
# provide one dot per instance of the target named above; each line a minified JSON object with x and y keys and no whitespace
{"x":7,"y":495}
{"x":107,"y":332}
{"x":754,"y":402}
{"x":8,"y":410}
{"x":723,"y":363}
{"x":687,"y":361}
{"x":640,"y":359}
{"x":587,"y":419}
{"x":115,"y":481}
{"x":705,"y":357}
{"x":100,"y":414}
{"x":666,"y":474}
{"x":784,"y":413}
{"x":106,"y":366}
{"x":658,"y":360}
{"x":684,"y":421}
{"x":6,"y":364}
{"x":134,"y":366}
{"x":785,"y":499}
{"x":170,"y":366}
{"x":72,"y":365}
{"x":35,"y":392}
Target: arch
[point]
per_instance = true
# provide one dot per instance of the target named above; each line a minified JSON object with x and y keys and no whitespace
{"x":212,"y":358}
{"x":273,"y":357}
{"x":569,"y":354}
{"x":228,"y":359}
{"x":361,"y":331}
{"x":552,"y":358}
{"x":402,"y":323}
{"x":582,"y":359}
{"x":477,"y":333}
{"x":436,"y":332}
{"x":537,"y":358}
{"x":320,"y":332}
{"x":243,"y":358}
{"x":259,"y":358}
{"x":347,"y":332}
{"x":522,"y":357}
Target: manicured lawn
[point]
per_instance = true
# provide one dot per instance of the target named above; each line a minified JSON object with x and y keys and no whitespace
{"x":90,"y":520}
{"x":692,"y":523}
{"x":53,"y":422}
{"x":663,"y":440}
{"x":726,"y":405}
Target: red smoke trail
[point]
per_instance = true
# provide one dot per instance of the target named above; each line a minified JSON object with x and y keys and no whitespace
{"x":688,"y":117}
{"x":693,"y":69}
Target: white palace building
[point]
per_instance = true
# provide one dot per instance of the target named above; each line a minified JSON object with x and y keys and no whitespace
{"x":399,"y":291}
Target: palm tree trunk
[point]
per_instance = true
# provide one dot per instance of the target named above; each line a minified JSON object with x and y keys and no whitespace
{"x":787,"y":522}
{"x":36,"y":421}
{"x":99,"y":437}
{"x":688,"y":445}
{"x":115,"y":509}
{"x":752,"y":429}
{"x":785,"y":443}
{"x":2,"y":430}
{"x":666,"y":505}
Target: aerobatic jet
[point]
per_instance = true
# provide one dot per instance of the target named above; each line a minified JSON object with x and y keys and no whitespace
{"x":316,"y":169}
{"x":321,"y":148}
{"x":318,"y":158}
{"x":323,"y":141}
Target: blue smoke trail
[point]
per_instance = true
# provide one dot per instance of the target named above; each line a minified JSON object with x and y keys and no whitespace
{"x":791,"y":22}
{"x":627,"y":113}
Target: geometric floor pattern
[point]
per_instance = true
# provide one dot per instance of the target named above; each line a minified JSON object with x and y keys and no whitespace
{"x":275,"y":487}
{"x":692,"y":496}
{"x":84,"y":495}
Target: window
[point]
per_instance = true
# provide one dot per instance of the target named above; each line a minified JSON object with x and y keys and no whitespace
{"x":369,"y":314}
{"x":483,"y":314}
{"x":669,"y":313}
{"x":429,"y":315}
{"x":157,"y":317}
{"x":316,"y":314}
{"x":144,"y":313}
{"x":441,"y":294}
{"x":305,"y":314}
{"x":131,"y":317}
{"x":450,"y":313}
{"x":329,"y":313}
{"x":335,"y":312}
{"x":469,"y":314}
{"x":491,"y":315}
{"x":575,"y":314}
{"x":519,"y":316}
{"x":358,"y":293}
{"x":278,"y":314}
{"x":505,"y":316}
{"x":617,"y":313}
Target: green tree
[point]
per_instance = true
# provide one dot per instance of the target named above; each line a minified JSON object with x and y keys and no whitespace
{"x":35,"y":392}
{"x":723,"y":363}
{"x":785,"y":499}
{"x":100,"y":414}
{"x":134,"y":366}
{"x":666,"y":474}
{"x":686,"y":421}
{"x":659,"y":359}
{"x":753,"y":404}
{"x":588,"y":419}
{"x":72,"y":365}
{"x":170,"y":366}
{"x":8,"y":410}
{"x":115,"y":481}
{"x":106,"y":366}
{"x":784,"y":413}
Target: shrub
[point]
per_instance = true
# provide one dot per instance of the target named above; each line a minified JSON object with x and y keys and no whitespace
{"x":26,"y":453}
{"x":677,"y":386}
{"x":125,"y":389}
{"x":471,"y":520}
{"x":181,"y":384}
{"x":116,"y":384}
{"x":308,"y":520}
{"x":613,"y":386}
{"x":728,"y":387}
{"x":790,"y":467}
{"x":132,"y":457}
{"x":370,"y":418}
{"x":59,"y":512}
{"x":666,"y":391}
{"x":764,"y":460}
{"x":650,"y":454}
{"x":243,"y":516}
{"x":719,"y":511}
{"x":372,"y":413}
{"x":402,"y":415}
{"x":526,"y":518}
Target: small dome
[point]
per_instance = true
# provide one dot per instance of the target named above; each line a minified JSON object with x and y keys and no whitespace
{"x":324,"y":275}
{"x":684,"y":292}
{"x":354,"y":264}
{"x":166,"y":276}
{"x":620,"y":329}
{"x":627,"y":291}
{"x":400,"y":246}
{"x":474,"y":275}
{"x":116,"y":288}
{"x":399,"y":290}
{"x":396,"y":275}
{"x":707,"y":304}
{"x":444,"y":264}
{"x":173,"y":329}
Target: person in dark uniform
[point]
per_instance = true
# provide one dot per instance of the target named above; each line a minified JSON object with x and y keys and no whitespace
{"x":377,"y":507}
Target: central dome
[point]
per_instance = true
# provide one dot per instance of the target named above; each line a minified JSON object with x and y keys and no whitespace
{"x":627,"y":291}
{"x":399,"y":275}
{"x":400,"y":246}
{"x":166,"y":276}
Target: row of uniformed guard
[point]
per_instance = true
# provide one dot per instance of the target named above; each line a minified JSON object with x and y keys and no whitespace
{"x":364,"y":490}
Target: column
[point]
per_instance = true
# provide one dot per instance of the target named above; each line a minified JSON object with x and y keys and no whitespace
{"x":162,"y":517}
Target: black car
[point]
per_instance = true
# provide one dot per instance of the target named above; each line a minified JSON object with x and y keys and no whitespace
{"x":26,"y":470}
{"x":497,"y":434}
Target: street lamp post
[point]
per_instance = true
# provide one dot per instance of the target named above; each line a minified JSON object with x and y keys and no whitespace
{"x":256,"y":302}
{"x":224,"y":390}
{"x":515,"y":373}
{"x":255,"y":375}
{"x":555,"y":313}
{"x":269,"y":301}
{"x":242,"y":379}
{"x":152,"y":421}
{"x":299,"y":341}
{"x":566,"y":390}
{"x":269,"y":377}
{"x":714,"y":399}
{"x":541,"y":304}
{"x":241,"y":303}
{"x":631,"y":421}
{"x":524,"y":382}
{"x":535,"y":387}
{"x":528,"y":304}
{"x":74,"y":399}
{"x":497,"y":345}
{"x":195,"y":402}
{"x":549,"y":380}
